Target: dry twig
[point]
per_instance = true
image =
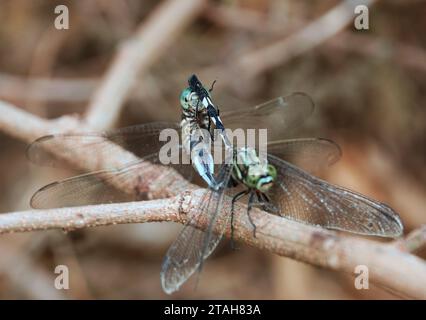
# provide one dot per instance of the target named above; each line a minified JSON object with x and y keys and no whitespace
{"x":414,"y":241}
{"x":17,"y":88}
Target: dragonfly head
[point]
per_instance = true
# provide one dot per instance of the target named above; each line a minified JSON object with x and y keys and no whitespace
{"x":263,"y":179}
{"x":189,"y":101}
{"x":254,"y":172}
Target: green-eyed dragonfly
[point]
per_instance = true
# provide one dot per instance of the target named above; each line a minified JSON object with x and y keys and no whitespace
{"x":282,"y":184}
{"x":278,"y":186}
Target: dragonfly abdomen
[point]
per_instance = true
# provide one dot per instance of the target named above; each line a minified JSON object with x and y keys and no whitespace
{"x":196,"y":142}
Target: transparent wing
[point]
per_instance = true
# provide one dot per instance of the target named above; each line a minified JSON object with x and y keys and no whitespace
{"x":108,"y":186}
{"x":193,"y":246}
{"x":87,"y":189}
{"x":311,"y":154}
{"x":141,"y":140}
{"x":305,"y":198}
{"x":278,"y":116}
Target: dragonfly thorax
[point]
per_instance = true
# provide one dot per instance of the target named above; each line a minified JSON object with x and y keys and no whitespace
{"x":190,"y":102}
{"x":252,"y":171}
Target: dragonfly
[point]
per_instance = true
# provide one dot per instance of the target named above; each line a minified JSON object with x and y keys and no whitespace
{"x":283,"y":184}
{"x":277,"y":185}
{"x":198,"y":112}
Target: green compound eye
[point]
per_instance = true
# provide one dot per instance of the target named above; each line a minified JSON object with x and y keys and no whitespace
{"x":266,"y":182}
{"x":252,"y":181}
{"x":272,"y":172}
{"x":185,"y":98}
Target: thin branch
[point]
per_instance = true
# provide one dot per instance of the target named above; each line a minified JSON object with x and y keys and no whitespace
{"x":136,"y":55}
{"x":388,"y":266}
{"x":414,"y":241}
{"x":17,"y":88}
{"x":73,"y":218}
{"x":310,"y":36}
{"x":404,"y":54}
{"x":236,"y":17}
{"x":249,"y":20}
{"x":57,"y":89}
{"x":20,"y":124}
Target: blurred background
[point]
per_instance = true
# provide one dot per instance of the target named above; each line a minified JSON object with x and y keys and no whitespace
{"x":369,"y":87}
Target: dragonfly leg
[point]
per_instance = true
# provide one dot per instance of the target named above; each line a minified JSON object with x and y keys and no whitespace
{"x":196,"y":110}
{"x":265,"y":203}
{"x":139,"y":193}
{"x":250,"y":205}
{"x":265,"y":197}
{"x":209,"y":127}
{"x":238,"y":196}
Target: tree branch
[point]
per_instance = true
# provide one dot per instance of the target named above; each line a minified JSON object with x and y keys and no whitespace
{"x":414,"y":241}
{"x":17,"y":88}
{"x":136,"y":55}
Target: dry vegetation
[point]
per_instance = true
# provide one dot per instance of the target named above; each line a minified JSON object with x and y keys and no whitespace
{"x":124,"y":62}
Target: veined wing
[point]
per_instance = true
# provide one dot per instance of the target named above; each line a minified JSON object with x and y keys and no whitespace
{"x":278,"y":116}
{"x":193,"y":245}
{"x":108,"y":186}
{"x":311,"y":154}
{"x":141,"y":140}
{"x":305,"y":198}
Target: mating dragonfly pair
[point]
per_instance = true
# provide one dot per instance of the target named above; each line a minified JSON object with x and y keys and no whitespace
{"x":282,"y":183}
